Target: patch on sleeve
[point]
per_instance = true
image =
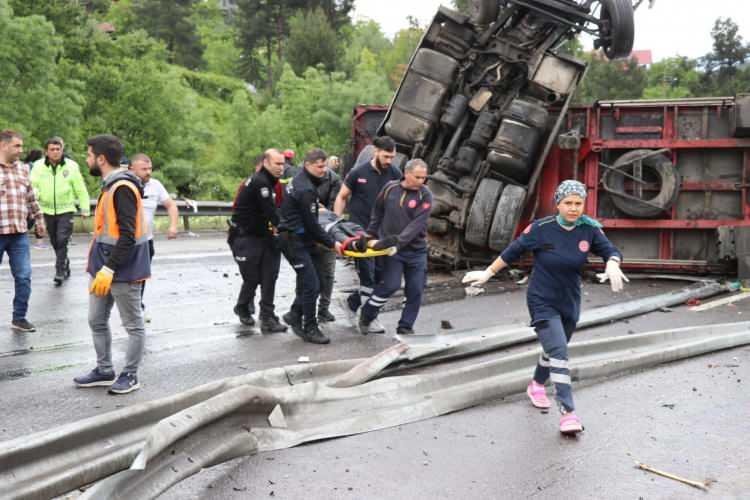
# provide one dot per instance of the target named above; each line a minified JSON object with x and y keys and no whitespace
{"x":528,"y":229}
{"x":265,"y":192}
{"x":362,"y":180}
{"x":426,"y":206}
{"x":412,"y":203}
{"x":584,"y":246}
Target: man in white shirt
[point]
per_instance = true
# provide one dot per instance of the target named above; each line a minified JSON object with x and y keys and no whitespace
{"x":154,"y":194}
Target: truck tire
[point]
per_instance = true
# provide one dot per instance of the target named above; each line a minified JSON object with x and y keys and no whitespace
{"x":480,"y":213}
{"x":507,"y":214}
{"x":483,"y":12}
{"x":619,"y":15}
{"x":669,"y":179}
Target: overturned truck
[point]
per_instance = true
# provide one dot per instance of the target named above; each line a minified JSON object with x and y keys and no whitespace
{"x":486,"y":100}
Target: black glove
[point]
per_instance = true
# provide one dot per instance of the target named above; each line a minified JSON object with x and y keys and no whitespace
{"x":390,"y":241}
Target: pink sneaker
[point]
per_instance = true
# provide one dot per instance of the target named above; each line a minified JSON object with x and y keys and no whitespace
{"x":538,"y":395}
{"x":570,"y":424}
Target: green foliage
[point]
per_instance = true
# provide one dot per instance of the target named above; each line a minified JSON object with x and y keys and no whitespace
{"x":671,"y":78}
{"x":221,"y":54}
{"x":612,"y":80}
{"x":171,"y":22}
{"x":312,"y":41}
{"x":396,"y":60}
{"x":364,"y":35}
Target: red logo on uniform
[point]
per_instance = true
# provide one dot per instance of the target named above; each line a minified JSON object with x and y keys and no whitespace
{"x":527,"y":230}
{"x":425,"y":206}
{"x":412,"y":203}
{"x":583,"y":246}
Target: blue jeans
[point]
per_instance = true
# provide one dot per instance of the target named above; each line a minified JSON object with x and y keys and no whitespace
{"x":19,"y":255}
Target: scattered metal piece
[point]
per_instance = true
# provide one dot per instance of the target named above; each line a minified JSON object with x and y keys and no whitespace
{"x":721,"y":302}
{"x":276,"y":419}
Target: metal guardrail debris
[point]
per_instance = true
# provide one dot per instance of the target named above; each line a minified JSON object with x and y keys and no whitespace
{"x":191,"y":208}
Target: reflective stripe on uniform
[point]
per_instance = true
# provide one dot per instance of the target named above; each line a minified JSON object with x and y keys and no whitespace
{"x":559,"y":378}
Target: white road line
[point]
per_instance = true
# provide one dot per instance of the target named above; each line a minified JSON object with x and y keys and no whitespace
{"x":180,"y":257}
{"x":720,"y":302}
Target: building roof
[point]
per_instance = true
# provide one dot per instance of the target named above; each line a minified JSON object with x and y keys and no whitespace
{"x":643,"y":57}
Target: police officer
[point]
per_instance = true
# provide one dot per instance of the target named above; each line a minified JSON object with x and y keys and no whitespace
{"x":400,"y":218}
{"x":301,"y":236}
{"x":360,"y":189}
{"x":328,"y":190}
{"x":254,"y":245}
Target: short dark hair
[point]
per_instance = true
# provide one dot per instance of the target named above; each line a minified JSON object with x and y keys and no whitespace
{"x":54,"y":140}
{"x":8,"y":135}
{"x":108,"y":146}
{"x":315,"y":155}
{"x":385,"y":143}
{"x":34,"y":155}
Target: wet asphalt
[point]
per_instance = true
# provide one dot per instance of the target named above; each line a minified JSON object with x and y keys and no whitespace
{"x":689,"y":418}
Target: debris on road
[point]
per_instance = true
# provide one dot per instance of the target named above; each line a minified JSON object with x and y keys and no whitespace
{"x":701,"y":485}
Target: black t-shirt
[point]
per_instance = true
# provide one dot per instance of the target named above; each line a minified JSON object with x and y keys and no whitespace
{"x":365,"y":182}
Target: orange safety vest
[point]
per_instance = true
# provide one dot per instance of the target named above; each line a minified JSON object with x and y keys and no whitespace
{"x":137,"y":266}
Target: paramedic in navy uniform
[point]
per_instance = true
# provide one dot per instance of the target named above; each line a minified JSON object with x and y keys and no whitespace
{"x":560,"y":245}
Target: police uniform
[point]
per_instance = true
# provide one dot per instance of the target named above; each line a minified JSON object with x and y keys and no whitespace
{"x":365,"y":182}
{"x":253,"y":244}
{"x":554,"y":293}
{"x":400,"y":217}
{"x":301,"y":236}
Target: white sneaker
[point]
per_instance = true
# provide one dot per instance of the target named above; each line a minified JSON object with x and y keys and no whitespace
{"x":343,"y":304}
{"x":376,"y":326}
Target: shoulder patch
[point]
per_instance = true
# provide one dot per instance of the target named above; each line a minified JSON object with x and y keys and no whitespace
{"x":265,"y":192}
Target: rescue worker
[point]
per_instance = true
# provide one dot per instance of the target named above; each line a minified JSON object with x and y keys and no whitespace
{"x":118,"y":262}
{"x":560,"y":245}
{"x":17,"y":206}
{"x":252,"y":238}
{"x":59,"y":185}
{"x":301,"y":234}
{"x":400,"y":218}
{"x":154,"y":194}
{"x":360,"y":189}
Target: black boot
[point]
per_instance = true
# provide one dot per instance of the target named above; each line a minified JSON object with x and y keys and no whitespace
{"x":270,"y":324}
{"x":245,"y":317}
{"x":313,"y":334}
{"x":325,"y":316}
{"x":294,"y":319}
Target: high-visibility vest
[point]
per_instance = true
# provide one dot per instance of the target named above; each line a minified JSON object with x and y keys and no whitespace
{"x":137,"y":265}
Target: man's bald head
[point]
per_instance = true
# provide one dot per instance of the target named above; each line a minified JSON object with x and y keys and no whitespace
{"x":273,"y":161}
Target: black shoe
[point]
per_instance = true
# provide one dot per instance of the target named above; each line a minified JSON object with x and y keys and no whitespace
{"x":313,"y":335}
{"x":22,"y":325}
{"x":325,"y":316}
{"x":245,"y":317}
{"x":58,"y":279}
{"x":294,"y":320}
{"x":271,"y":325}
{"x":404,"y":330}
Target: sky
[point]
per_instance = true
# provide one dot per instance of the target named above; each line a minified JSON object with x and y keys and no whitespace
{"x":671,"y":27}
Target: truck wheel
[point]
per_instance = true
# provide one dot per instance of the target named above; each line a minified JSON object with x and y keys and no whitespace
{"x":507,"y":215}
{"x":483,"y":12}
{"x":480,"y":213}
{"x":660,"y":170}
{"x":619,"y":16}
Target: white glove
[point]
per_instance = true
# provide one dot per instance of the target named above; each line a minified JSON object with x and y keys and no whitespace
{"x":615,"y":276}
{"x":478,"y":278}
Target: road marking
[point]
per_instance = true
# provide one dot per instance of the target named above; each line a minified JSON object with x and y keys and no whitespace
{"x":180,"y":257}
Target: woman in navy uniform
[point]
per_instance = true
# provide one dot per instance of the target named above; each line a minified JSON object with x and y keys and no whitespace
{"x":560,"y":245}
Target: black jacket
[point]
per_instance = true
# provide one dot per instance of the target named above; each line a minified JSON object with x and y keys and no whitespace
{"x":255,"y":207}
{"x":299,"y":210}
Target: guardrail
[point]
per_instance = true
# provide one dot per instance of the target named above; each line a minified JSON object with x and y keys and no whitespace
{"x":192,"y":208}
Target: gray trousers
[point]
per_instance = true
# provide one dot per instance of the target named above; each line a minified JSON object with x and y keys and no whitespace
{"x":127,"y":296}
{"x":325,"y":262}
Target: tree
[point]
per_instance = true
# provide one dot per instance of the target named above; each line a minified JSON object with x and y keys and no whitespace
{"x":404,"y":44}
{"x":261,"y":29}
{"x":312,"y":41}
{"x":337,"y":11}
{"x":364,"y":35}
{"x":221,"y":54}
{"x":170,"y":21}
{"x":671,"y":78}
{"x":612,"y":80}
{"x":724,"y":73}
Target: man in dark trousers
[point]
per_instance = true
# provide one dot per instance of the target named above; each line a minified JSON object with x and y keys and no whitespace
{"x":361,"y":187}
{"x":252,"y":238}
{"x":301,"y":236}
{"x":400,"y":218}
